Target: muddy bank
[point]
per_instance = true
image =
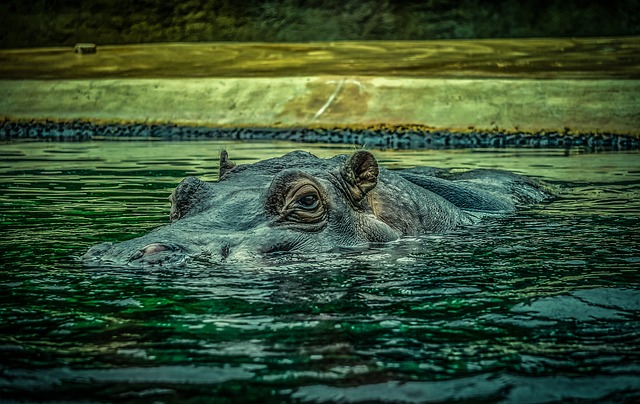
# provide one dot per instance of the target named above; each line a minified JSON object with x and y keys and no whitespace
{"x":532,"y":58}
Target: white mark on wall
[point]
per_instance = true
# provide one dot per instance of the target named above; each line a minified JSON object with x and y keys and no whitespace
{"x":335,"y":93}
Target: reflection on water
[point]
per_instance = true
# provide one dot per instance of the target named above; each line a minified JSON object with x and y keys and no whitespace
{"x":541,"y":306}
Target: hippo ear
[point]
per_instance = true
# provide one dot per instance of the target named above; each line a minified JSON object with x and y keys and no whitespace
{"x":360,"y":172}
{"x":226,"y":165}
{"x":184,"y":199}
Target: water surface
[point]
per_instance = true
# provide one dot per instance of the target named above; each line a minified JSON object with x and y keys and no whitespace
{"x":542,"y":305}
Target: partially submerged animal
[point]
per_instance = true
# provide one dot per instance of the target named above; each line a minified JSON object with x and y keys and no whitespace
{"x":301,"y":203}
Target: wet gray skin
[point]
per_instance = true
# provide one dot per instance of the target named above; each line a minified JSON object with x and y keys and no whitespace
{"x":300,"y":203}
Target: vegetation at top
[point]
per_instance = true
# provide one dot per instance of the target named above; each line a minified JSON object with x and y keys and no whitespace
{"x":65,"y":22}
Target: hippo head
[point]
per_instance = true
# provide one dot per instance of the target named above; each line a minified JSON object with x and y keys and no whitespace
{"x":294,"y":203}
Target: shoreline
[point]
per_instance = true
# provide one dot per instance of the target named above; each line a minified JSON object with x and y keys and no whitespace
{"x":532,"y":85}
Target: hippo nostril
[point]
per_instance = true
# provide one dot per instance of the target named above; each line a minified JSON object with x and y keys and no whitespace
{"x":155,"y":248}
{"x":152,"y":249}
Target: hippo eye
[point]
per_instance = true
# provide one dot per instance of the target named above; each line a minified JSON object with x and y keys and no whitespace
{"x":308,"y":202}
{"x":305,"y":205}
{"x":298,"y":201}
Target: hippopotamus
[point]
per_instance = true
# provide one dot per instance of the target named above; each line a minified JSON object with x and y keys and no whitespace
{"x":304,"y":204}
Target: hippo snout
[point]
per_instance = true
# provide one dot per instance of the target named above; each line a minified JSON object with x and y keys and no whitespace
{"x":155,"y":253}
{"x":151,"y":252}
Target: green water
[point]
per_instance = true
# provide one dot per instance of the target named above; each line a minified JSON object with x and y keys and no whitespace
{"x":539,"y":306}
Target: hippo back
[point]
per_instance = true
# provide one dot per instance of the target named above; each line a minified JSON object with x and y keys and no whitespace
{"x":479,"y":190}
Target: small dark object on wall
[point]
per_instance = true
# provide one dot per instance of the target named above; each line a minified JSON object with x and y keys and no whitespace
{"x":85,"y":48}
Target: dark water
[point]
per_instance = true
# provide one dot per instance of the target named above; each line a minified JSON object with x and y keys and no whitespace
{"x":539,"y":306}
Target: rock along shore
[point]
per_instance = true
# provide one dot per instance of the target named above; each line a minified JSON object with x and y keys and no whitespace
{"x":400,"y":137}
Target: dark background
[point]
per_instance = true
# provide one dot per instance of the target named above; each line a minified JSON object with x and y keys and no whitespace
{"x":66,"y":22}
